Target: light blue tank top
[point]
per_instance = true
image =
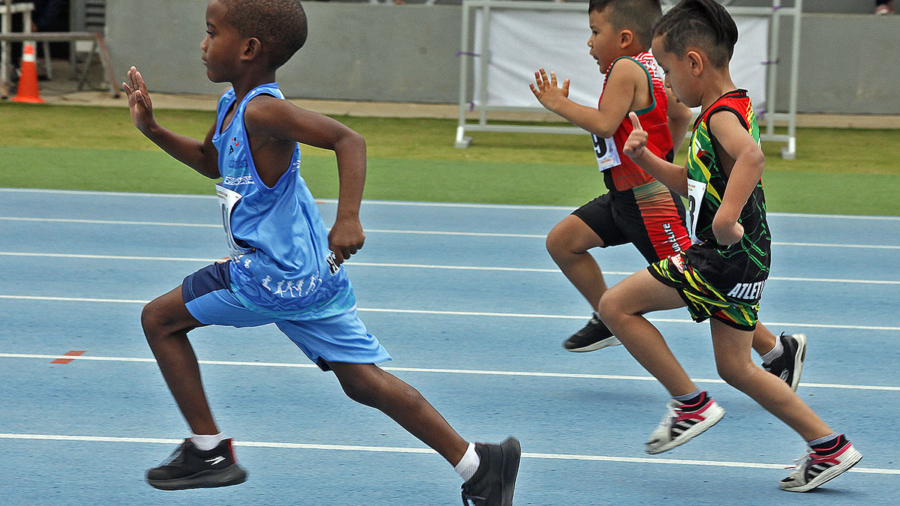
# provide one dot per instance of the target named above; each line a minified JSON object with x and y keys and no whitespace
{"x":281,"y":264}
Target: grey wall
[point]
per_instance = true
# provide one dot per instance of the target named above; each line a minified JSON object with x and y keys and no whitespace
{"x":354,"y":51}
{"x":359,"y":51}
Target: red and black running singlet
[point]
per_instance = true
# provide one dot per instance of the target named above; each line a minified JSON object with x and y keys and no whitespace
{"x":619,"y":171}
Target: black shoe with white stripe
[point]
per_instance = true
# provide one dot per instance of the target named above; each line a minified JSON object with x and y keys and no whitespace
{"x":190,"y":467}
{"x":789,"y":365}
{"x":593,"y":336}
{"x":820,"y":466}
{"x":683,"y":422}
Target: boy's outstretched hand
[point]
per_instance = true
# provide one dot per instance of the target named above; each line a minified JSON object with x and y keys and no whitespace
{"x":139,"y":101}
{"x":547,"y":92}
{"x":637,"y":140}
{"x":346,"y":238}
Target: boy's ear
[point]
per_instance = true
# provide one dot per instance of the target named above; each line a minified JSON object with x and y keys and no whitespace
{"x":695,"y":59}
{"x":252,"y":49}
{"x":626,"y":38}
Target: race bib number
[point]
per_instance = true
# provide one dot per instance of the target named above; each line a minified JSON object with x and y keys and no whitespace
{"x":606,"y":152}
{"x":227,"y":200}
{"x":696,"y":190}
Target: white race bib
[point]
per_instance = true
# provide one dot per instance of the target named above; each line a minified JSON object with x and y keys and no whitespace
{"x":696,"y":190}
{"x":606,"y":152}
{"x":227,"y":200}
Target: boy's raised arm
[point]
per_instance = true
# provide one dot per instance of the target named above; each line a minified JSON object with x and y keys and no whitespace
{"x":669,"y":174}
{"x":282,"y":120}
{"x":745,"y":174}
{"x":198,"y":155}
{"x":618,"y":95}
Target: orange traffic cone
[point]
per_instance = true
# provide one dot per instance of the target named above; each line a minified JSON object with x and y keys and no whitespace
{"x":28,"y":81}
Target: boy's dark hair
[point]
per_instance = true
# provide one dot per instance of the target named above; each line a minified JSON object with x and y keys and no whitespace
{"x":702,"y":23}
{"x":635,"y":15}
{"x":279,"y":24}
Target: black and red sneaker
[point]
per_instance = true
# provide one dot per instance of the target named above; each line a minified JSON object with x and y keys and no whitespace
{"x":189,"y":467}
{"x":821,"y":465}
{"x":682,"y":422}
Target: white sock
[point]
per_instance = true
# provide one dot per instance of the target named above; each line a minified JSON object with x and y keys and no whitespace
{"x":774,"y":353}
{"x":468,"y":464}
{"x":206,"y":442}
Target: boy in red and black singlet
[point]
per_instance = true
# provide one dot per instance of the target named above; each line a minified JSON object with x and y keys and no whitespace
{"x":637,"y":209}
{"x":721,"y":276}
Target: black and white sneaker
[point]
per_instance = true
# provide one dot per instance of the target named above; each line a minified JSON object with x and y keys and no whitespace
{"x":789,"y":366}
{"x":593,"y":336}
{"x":819,"y":466}
{"x":683,"y":422}
{"x":189,"y":467}
{"x":494,"y":483}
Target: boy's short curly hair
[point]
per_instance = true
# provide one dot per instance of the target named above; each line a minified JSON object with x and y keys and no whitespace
{"x":635,"y":15}
{"x":279,"y":24}
{"x":701,"y":23}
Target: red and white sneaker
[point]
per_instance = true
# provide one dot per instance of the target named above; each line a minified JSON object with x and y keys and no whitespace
{"x":682,"y":422}
{"x":820,"y":466}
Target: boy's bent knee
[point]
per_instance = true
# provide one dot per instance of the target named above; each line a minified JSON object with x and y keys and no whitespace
{"x":736,"y":374}
{"x":167,"y":315}
{"x":610,"y":307}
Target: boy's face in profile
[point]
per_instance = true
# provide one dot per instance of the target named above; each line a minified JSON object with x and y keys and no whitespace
{"x":222,"y":45}
{"x":681,"y":75}
{"x":604,"y":41}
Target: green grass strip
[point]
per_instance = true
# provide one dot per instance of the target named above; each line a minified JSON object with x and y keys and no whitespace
{"x":837,"y":171}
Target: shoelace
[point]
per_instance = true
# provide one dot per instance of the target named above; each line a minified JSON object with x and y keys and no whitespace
{"x":798,"y":462}
{"x":177,"y":455}
{"x":466,"y":497}
{"x":671,"y":414}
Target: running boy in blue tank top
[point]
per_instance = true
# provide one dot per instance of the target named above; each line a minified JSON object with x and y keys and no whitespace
{"x":285,"y":267}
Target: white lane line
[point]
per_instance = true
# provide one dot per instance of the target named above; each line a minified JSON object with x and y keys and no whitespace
{"x":409,"y":232}
{"x":461,"y":205}
{"x":460,"y":313}
{"x":354,"y":263}
{"x":110,"y":222}
{"x":475,"y":372}
{"x":395,"y":449}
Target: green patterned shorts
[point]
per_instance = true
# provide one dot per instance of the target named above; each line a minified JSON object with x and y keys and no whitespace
{"x":703,"y":299}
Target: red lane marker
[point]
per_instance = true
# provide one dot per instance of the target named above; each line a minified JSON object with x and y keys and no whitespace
{"x":67,"y":360}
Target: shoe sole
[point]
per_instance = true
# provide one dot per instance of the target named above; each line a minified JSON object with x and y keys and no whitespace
{"x":829,"y":474}
{"x":599,"y":345}
{"x":799,"y":359}
{"x":231,"y":475}
{"x":509,"y":470}
{"x":689,"y":434}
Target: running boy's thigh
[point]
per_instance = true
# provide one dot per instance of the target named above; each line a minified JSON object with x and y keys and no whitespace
{"x":573,"y":235}
{"x":339,"y":338}
{"x":208,"y":298}
{"x":598,"y":216}
{"x":641,"y":293}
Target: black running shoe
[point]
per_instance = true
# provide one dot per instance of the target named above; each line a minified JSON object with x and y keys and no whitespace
{"x":593,"y":336}
{"x":789,"y":366}
{"x":189,"y":467}
{"x":494,"y":483}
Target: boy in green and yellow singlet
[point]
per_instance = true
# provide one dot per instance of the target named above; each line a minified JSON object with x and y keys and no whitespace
{"x":721,"y":276}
